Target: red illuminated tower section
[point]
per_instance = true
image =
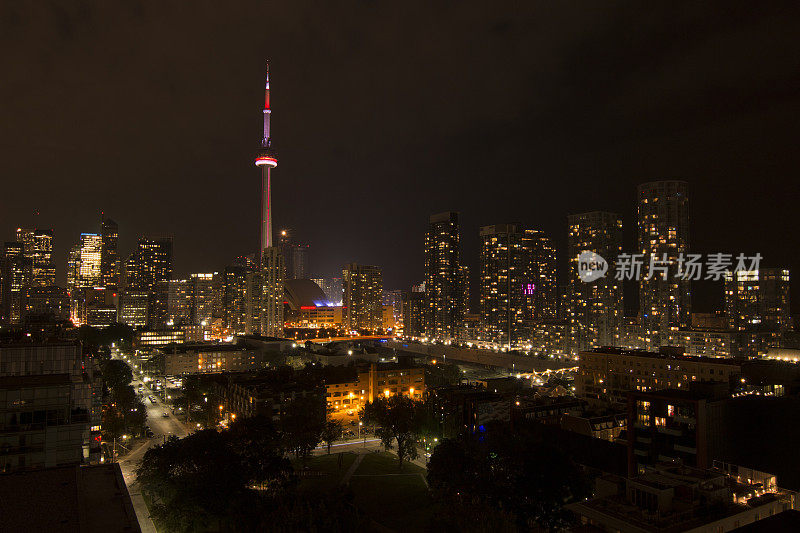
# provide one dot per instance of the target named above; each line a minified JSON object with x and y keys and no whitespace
{"x":267,"y":161}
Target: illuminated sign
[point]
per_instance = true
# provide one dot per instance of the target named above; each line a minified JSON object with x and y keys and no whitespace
{"x":528,"y":289}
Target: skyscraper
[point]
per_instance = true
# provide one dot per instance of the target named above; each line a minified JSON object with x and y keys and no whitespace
{"x":363,"y":288}
{"x":664,"y":301}
{"x":38,"y":244}
{"x":517,"y":282}
{"x":269,"y":302}
{"x":89,"y":260}
{"x":443,"y":276}
{"x":109,"y":262}
{"x":758,"y":308}
{"x":14,"y":273}
{"x":234,"y":298}
{"x":413,"y":313}
{"x":332,"y":287}
{"x":542,"y":294}
{"x":295,"y":256}
{"x":201,"y":298}
{"x":149,"y":265}
{"x":595,"y":309}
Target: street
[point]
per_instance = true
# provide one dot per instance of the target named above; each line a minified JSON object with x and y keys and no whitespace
{"x":162,"y":427}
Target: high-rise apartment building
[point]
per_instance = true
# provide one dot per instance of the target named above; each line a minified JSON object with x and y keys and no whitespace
{"x":363,"y":287}
{"x":595,"y":309}
{"x":202,"y":297}
{"x":664,"y":298}
{"x":465,"y":293}
{"x":38,"y":244}
{"x":517,"y":281}
{"x":413,"y":313}
{"x":272,"y":277}
{"x":295,"y":256}
{"x":758,"y":308}
{"x":234,"y":299}
{"x":332,"y":287}
{"x":542,"y":293}
{"x":395,"y":300}
{"x":109,"y":260}
{"x":443,"y":276}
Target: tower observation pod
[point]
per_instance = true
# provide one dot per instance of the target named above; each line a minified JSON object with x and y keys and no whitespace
{"x":266,"y":159}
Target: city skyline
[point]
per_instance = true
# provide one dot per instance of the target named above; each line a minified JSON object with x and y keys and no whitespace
{"x":716,"y":150}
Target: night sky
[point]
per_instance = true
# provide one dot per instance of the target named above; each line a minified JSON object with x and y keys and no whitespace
{"x":387,"y":112}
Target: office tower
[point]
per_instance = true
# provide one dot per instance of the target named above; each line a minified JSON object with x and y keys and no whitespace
{"x":517,"y":281}
{"x":201,"y":298}
{"x":15,"y":274}
{"x":443,"y":276}
{"x":363,"y":286}
{"x":109,"y":261}
{"x":38,"y":244}
{"x":413,"y":313}
{"x":664,"y":301}
{"x":272,"y":277}
{"x":89,"y":260}
{"x":148,"y":265}
{"x":541,"y":293}
{"x":73,"y":267}
{"x":595,"y":309}
{"x":48,"y":304}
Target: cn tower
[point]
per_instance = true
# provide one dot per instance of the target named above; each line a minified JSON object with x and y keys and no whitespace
{"x":265,"y":158}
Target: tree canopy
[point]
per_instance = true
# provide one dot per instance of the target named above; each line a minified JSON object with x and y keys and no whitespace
{"x":514,"y":471}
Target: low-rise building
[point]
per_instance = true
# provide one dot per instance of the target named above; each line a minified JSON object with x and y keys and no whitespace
{"x":610,"y":373}
{"x":670,"y":498}
{"x":249,"y":394}
{"x":204,"y":358}
{"x":347,"y":395}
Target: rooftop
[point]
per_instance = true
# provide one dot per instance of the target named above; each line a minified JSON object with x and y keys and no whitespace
{"x":67,"y":499}
{"x":664,"y":356}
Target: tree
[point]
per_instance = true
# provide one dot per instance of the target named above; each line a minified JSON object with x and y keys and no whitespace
{"x":396,"y":420}
{"x":116,"y":373}
{"x":120,"y":334}
{"x":124,"y":412}
{"x":302,"y":424}
{"x":193,"y":482}
{"x":514,"y":470}
{"x":258,"y":444}
{"x":331,"y":431}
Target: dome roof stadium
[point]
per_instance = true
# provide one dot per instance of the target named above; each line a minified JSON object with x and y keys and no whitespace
{"x":304,"y":293}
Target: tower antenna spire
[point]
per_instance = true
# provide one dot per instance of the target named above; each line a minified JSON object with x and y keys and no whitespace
{"x":267,"y":161}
